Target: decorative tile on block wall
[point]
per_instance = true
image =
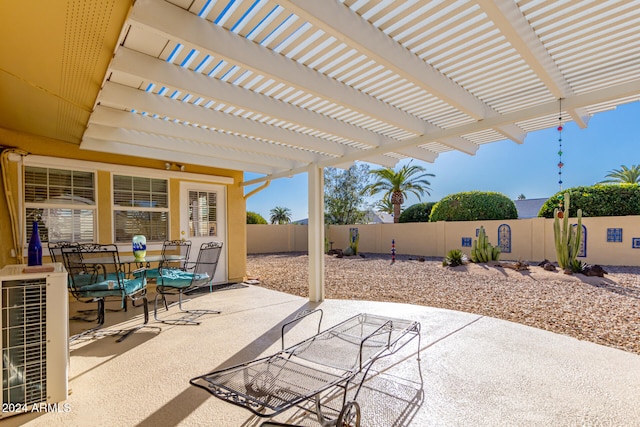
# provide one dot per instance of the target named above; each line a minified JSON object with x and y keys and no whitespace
{"x":635,"y":243}
{"x":582,"y":252}
{"x":466,"y":242}
{"x":614,"y":234}
{"x":504,"y":238}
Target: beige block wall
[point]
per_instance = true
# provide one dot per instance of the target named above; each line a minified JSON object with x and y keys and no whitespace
{"x":531,"y":239}
{"x":265,"y":238}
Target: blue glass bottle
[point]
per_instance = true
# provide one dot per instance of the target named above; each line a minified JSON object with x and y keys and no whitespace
{"x":35,"y":247}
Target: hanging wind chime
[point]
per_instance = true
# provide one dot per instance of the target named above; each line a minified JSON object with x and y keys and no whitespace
{"x":560,"y":164}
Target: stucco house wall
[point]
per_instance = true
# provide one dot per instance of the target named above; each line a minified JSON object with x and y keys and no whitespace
{"x":60,"y":152}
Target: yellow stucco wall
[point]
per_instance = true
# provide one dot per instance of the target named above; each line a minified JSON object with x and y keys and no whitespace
{"x":34,"y":145}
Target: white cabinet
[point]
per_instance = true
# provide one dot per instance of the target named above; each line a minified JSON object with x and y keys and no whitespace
{"x":34,"y":323}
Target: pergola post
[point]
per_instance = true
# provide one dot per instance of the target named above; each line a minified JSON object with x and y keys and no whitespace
{"x":316,"y":233}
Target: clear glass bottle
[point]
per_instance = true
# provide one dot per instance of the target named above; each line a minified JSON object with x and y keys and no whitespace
{"x":35,"y":247}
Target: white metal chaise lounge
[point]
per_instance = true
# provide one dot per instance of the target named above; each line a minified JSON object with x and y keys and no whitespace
{"x":332,"y":358}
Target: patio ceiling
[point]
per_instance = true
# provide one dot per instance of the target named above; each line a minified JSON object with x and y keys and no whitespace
{"x":275,"y":86}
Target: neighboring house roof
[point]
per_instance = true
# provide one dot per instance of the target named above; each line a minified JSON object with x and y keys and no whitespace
{"x":372,"y":218}
{"x":382,"y":218}
{"x":529,"y":208}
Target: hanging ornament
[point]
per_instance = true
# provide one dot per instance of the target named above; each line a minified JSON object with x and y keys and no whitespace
{"x":561,"y":206}
{"x":560,"y":164}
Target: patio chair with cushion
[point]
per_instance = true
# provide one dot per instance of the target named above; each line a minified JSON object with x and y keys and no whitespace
{"x":55,"y":252}
{"x":96,"y":274}
{"x":173,"y":280}
{"x":175,"y":254}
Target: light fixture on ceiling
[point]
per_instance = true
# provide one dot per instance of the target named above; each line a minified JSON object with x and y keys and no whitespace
{"x":168,"y":166}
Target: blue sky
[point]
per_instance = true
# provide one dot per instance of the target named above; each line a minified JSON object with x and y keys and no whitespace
{"x":611,"y":139}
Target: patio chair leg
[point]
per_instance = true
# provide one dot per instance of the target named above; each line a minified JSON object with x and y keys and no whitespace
{"x":146,"y":309}
{"x":144,"y":325}
{"x":100,"y":319}
{"x":101,"y":310}
{"x":203,"y":311}
{"x":155,"y":306}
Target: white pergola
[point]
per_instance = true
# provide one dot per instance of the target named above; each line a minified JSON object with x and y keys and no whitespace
{"x":290,"y":86}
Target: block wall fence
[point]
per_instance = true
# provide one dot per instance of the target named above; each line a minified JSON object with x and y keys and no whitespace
{"x":606,"y":240}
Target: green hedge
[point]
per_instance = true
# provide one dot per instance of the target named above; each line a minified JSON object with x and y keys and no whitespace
{"x":474,"y":206}
{"x":597,"y":200}
{"x":255,"y":218}
{"x":417,"y":213}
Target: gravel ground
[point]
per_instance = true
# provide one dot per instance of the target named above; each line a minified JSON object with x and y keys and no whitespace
{"x":605,"y":310}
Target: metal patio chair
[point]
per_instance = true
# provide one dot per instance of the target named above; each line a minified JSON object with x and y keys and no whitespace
{"x":176,"y":281}
{"x":175,"y":254}
{"x":96,"y":274}
{"x":55,"y":252}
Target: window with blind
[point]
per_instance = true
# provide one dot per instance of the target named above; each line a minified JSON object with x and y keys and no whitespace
{"x":63,"y":203}
{"x":141,"y":206}
{"x":203,"y":207}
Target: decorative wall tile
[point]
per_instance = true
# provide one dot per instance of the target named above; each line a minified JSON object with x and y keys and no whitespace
{"x":635,"y":243}
{"x":504,"y":238}
{"x":614,"y":234}
{"x":582,"y":251}
{"x":466,"y":242}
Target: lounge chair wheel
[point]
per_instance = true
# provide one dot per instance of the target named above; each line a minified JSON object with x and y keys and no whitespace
{"x":350,"y":415}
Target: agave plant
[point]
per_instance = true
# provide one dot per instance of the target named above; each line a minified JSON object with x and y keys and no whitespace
{"x":454,"y":258}
{"x":576,"y":266}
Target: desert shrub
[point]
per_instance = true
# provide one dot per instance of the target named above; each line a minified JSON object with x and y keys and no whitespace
{"x":454,"y":258}
{"x":417,"y":213}
{"x":597,"y":200}
{"x":576,"y":266}
{"x":474,"y":206}
{"x":255,"y":218}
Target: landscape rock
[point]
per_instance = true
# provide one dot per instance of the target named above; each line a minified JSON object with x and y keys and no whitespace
{"x":594,"y":270}
{"x":601,"y":310}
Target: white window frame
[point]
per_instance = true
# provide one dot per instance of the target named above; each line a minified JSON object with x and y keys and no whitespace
{"x":74,"y":206}
{"x":96,"y":167}
{"x":115,"y":208}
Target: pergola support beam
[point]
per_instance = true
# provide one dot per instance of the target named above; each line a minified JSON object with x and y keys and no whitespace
{"x":316,"y":233}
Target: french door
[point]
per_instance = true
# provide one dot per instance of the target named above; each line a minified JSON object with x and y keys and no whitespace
{"x":203,"y":219}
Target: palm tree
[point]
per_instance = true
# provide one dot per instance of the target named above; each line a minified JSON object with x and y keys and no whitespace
{"x":384,"y":205}
{"x":522,"y":197}
{"x":396,"y":185}
{"x":280,"y":215}
{"x":624,"y":175}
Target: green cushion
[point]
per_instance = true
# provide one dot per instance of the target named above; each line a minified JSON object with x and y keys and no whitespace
{"x":176,"y":278}
{"x":101,"y":289}
{"x":152,"y":273}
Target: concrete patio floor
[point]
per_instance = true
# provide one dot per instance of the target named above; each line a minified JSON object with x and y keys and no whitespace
{"x":476,"y":371}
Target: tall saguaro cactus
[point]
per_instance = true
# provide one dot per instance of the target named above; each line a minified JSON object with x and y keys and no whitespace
{"x":568,"y":238}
